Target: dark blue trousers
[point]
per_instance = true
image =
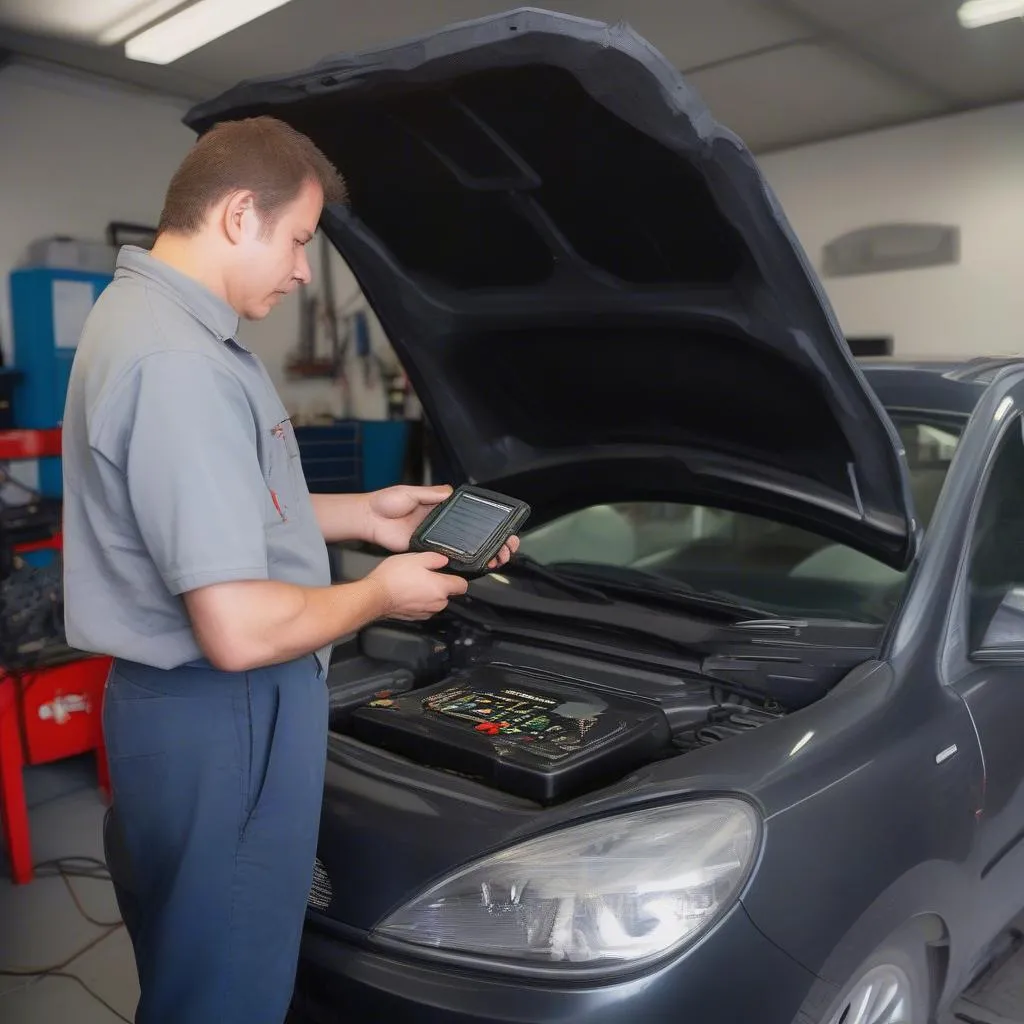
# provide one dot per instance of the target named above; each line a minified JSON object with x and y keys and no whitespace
{"x":217,"y":782}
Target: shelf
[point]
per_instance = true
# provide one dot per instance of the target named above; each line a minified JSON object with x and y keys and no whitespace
{"x":54,"y":543}
{"x":30,"y":444}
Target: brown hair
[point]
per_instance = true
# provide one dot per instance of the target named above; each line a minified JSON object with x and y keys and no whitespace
{"x":261,"y":154}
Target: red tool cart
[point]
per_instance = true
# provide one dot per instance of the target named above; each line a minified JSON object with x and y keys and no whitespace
{"x":50,"y":710}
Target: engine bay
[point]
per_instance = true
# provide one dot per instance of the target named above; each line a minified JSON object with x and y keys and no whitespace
{"x":541,"y":723}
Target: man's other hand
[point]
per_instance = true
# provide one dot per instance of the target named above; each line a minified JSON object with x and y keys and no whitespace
{"x":413,"y":587}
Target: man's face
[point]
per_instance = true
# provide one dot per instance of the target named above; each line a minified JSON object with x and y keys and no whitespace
{"x":270,"y":266}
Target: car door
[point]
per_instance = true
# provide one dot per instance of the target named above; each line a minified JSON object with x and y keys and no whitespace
{"x":984,"y":655}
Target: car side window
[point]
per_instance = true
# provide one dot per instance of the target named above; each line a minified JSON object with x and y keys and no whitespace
{"x":996,"y":567}
{"x":929,"y":448}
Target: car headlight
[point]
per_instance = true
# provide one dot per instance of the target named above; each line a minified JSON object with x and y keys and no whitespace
{"x":611,"y":893}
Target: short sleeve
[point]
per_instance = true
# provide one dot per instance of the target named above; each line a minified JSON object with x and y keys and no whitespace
{"x":184,"y":435}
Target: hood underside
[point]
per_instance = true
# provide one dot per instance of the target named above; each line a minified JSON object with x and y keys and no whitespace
{"x":592,"y":288}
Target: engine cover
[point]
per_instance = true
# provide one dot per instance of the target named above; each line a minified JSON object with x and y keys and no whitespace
{"x":521,"y":732}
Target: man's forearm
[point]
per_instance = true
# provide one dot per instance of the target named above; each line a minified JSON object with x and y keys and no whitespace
{"x":342,"y":517}
{"x":250,"y":624}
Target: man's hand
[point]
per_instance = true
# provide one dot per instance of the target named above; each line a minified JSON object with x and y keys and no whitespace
{"x":251,"y":623}
{"x":412,"y":587}
{"x":394,"y":513}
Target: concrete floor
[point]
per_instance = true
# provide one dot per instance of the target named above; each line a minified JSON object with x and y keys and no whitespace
{"x":40,"y":925}
{"x":997,"y":997}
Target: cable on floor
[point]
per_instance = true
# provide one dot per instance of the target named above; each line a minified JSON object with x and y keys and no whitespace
{"x":66,"y":869}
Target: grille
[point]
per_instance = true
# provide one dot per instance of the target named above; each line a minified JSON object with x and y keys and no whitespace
{"x":320,"y":892}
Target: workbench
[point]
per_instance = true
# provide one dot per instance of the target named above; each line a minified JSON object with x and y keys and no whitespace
{"x":50,"y":711}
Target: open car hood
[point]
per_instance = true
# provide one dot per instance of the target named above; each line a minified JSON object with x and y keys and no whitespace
{"x":594,"y":292}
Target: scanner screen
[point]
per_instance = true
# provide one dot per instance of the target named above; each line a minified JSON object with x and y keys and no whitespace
{"x":466,"y":524}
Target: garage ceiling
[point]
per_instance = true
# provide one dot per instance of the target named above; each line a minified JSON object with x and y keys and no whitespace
{"x":778,"y":72}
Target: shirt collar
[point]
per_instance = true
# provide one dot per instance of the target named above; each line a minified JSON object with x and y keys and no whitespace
{"x":209,"y":309}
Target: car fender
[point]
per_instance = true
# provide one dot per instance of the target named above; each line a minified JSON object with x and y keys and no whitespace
{"x":916,"y":907}
{"x":873,"y":833}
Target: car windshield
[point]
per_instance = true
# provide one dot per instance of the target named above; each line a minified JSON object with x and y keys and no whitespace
{"x":782,"y":569}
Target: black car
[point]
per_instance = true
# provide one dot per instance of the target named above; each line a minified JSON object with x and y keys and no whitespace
{"x":738,"y":737}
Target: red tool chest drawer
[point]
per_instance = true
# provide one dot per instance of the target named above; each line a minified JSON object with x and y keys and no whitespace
{"x":61,"y":709}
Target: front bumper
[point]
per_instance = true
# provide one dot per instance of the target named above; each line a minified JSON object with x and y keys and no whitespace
{"x":734,"y":976}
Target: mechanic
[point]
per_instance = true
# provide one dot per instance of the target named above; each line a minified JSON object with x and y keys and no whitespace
{"x":196,"y":557}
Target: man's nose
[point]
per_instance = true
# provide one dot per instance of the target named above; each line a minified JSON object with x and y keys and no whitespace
{"x":303,"y":273}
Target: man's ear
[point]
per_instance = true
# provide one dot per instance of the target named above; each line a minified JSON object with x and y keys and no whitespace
{"x":241,"y":221}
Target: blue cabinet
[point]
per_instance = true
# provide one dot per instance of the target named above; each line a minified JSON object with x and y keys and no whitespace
{"x":48,"y":309}
{"x":331,"y":457}
{"x":384,"y":448}
{"x":352,"y":455}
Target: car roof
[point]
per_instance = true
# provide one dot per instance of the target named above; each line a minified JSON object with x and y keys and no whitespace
{"x":981,"y":369}
{"x":943,"y":385}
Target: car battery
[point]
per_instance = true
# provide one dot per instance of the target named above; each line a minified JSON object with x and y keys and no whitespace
{"x":525,"y":734}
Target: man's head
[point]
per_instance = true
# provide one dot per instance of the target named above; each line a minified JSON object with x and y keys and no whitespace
{"x":242,"y":207}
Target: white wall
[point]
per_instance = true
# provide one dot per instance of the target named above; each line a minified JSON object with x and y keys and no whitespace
{"x":966,"y":170}
{"x":78,"y":153}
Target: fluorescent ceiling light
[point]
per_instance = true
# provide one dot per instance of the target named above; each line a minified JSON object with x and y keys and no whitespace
{"x":141,"y":16}
{"x":975,"y":13}
{"x":194,"y":27}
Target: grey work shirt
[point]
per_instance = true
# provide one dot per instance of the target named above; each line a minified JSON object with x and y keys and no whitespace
{"x":180,"y":467}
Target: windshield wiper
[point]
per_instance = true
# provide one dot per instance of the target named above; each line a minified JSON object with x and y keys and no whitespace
{"x":526,"y":566}
{"x":625,"y":580}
